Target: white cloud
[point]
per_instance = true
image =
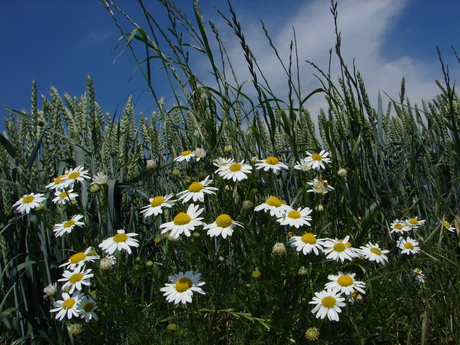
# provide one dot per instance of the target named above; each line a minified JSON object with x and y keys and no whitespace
{"x":365,"y":27}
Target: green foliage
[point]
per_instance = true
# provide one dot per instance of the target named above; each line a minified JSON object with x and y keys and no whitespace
{"x":400,"y":163}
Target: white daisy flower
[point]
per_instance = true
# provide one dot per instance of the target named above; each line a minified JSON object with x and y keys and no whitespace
{"x":307,"y":243}
{"x":328,"y":303}
{"x":414,"y":223}
{"x":67,"y":306}
{"x":271,"y":163}
{"x":63,"y":196}
{"x":58,"y":183}
{"x":223,"y":226}
{"x":448,"y":226}
{"x":183,"y":222}
{"x":199,"y":153}
{"x":108,"y":262}
{"x":185,"y":156}
{"x":87,"y":308}
{"x":196,"y":191}
{"x":399,"y":226}
{"x":297,"y":218}
{"x":120,"y":241}
{"x":339,"y":250}
{"x":78,"y":174}
{"x":79,"y":259}
{"x":302,"y":166}
{"x":29,"y":202}
{"x":345,"y":283}
{"x":75,"y":279}
{"x":317,"y":160}
{"x":222,"y":162}
{"x":100,"y":178}
{"x":235,"y":171}
{"x":419,"y":276}
{"x":67,"y":227}
{"x":372,"y":252}
{"x":319,"y":186}
{"x":182,"y":286}
{"x":156,"y":205}
{"x":275,"y":206}
{"x":408,"y":246}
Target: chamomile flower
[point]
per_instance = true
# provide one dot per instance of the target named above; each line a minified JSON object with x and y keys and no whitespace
{"x":184,"y":222}
{"x":319,"y":186}
{"x":448,"y":226}
{"x":79,"y":259}
{"x":100,"y":178}
{"x":372,"y":252}
{"x":339,"y":250}
{"x":297,"y":218}
{"x":235,"y":171}
{"x":302,"y":166}
{"x":222,"y":226}
{"x":57,"y":183}
{"x":182,"y":286}
{"x":63,"y":196}
{"x":399,"y":226}
{"x":67,"y":307}
{"x":29,"y":202}
{"x":157,"y":204}
{"x":75,"y":279}
{"x":275,"y":206}
{"x":185,"y":156}
{"x":408,"y":246}
{"x":67,"y":227}
{"x":78,"y":174}
{"x":317,"y":160}
{"x":120,"y":241}
{"x":414,"y":223}
{"x":87,"y":308}
{"x":199,"y":153}
{"x":419,"y":275}
{"x":312,"y":333}
{"x":271,"y":163}
{"x":345,"y":283}
{"x":197,"y":190}
{"x":222,"y":162}
{"x":328,"y":303}
{"x":107,"y":262}
{"x":307,"y":243}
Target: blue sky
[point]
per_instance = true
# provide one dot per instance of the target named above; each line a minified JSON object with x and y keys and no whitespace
{"x":58,"y":43}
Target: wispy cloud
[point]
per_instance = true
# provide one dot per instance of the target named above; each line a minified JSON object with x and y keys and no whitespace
{"x":97,"y":37}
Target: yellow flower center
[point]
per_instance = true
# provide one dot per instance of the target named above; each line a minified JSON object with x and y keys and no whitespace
{"x":120,"y":238}
{"x":186,"y":153}
{"x":446,"y":223}
{"x":88,"y":307}
{"x":235,"y":167}
{"x":63,"y":195}
{"x":308,"y":238}
{"x":183,"y":284}
{"x":28,"y":199}
{"x":274,"y":201}
{"x":328,"y":301}
{"x":376,"y":251}
{"x":408,"y":245}
{"x":69,"y":224}
{"x":294,"y":214}
{"x":414,"y":221}
{"x":157,"y":201}
{"x":182,"y":218}
{"x":59,"y":179}
{"x":195,"y":187}
{"x":77,"y":258}
{"x":74,"y":175}
{"x":316,"y":157}
{"x":68,"y":303}
{"x":272,"y":160}
{"x":345,"y":280}
{"x":398,"y":226}
{"x":224,"y":221}
{"x":339,"y":247}
{"x":75,"y":278}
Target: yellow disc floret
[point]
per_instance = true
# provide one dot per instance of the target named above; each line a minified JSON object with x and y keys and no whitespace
{"x":183,"y":284}
{"x":224,"y":221}
{"x":182,"y":218}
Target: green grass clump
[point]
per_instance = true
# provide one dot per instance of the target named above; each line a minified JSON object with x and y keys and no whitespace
{"x":251,"y":286}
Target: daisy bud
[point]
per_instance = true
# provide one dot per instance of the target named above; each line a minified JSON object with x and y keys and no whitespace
{"x":228,"y":148}
{"x":279,"y":248}
{"x":256,"y":274}
{"x":302,"y":271}
{"x":150,"y":164}
{"x":312,"y":333}
{"x":247,"y":205}
{"x":319,"y":208}
{"x":50,"y":290}
{"x":342,"y":172}
{"x":75,"y":328}
{"x":94,"y":188}
{"x":176,"y":172}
